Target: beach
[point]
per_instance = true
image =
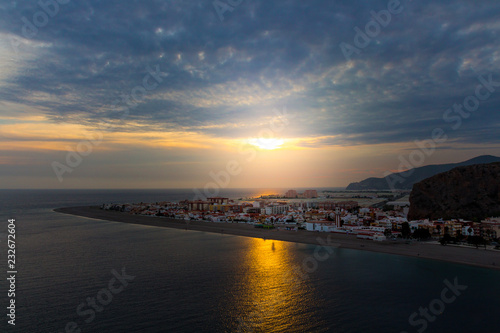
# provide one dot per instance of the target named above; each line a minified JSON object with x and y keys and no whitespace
{"x":427,"y":250}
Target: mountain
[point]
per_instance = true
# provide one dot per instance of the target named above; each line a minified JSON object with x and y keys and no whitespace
{"x":468,"y":192}
{"x":406,"y":179}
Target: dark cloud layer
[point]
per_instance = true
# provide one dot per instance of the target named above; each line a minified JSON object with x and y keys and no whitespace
{"x":265,"y":54}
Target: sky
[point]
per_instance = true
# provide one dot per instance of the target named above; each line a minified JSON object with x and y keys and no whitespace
{"x":243,"y":93}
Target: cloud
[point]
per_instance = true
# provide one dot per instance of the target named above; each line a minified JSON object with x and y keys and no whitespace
{"x":223,"y":79}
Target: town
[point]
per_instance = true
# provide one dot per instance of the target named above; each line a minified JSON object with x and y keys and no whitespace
{"x":378,"y":220}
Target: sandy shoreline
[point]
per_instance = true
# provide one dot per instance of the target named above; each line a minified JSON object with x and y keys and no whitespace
{"x":468,"y":256}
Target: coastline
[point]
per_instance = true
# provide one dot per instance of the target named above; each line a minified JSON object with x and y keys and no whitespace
{"x":465,"y":256}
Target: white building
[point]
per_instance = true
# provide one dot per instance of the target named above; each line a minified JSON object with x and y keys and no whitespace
{"x":276,"y":209}
{"x":466,"y":232}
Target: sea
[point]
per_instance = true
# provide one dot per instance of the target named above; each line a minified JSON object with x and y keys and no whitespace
{"x":76,"y":274}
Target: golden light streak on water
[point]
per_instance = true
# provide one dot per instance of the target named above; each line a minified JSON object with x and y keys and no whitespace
{"x":274,"y":294}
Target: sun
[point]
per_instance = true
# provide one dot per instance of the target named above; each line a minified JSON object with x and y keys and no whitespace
{"x":268,"y":144}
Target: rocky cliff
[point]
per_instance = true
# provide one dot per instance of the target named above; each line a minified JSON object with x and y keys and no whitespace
{"x":467,"y":192}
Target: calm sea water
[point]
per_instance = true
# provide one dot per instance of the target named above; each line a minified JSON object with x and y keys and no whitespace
{"x":189,"y":281}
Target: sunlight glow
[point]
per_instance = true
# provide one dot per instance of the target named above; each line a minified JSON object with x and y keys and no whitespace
{"x":268,"y":144}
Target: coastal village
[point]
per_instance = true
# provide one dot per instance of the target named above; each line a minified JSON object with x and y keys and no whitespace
{"x":311,"y":211}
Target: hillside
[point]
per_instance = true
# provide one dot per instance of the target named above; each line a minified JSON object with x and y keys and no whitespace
{"x":468,"y":192}
{"x":410,"y":177}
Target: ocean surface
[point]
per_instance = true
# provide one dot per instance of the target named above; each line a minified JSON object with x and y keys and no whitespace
{"x":190,"y":281}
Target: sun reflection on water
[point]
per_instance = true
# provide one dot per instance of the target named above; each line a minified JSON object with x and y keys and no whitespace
{"x":275,"y":296}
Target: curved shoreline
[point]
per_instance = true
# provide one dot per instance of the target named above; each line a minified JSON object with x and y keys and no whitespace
{"x":466,"y":256}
